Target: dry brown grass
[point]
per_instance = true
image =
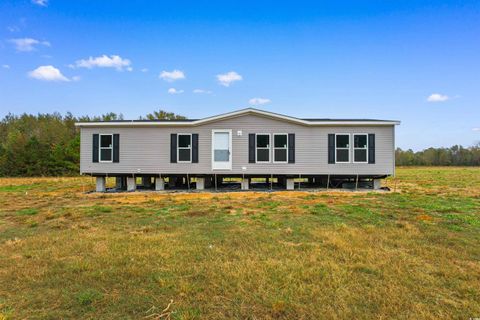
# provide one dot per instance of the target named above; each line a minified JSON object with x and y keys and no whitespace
{"x":256,"y":255}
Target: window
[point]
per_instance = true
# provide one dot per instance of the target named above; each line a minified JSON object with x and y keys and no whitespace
{"x":184,"y":149}
{"x":263,"y":147}
{"x":280,"y":147}
{"x":221,"y":146}
{"x":106,"y":147}
{"x":360,"y":148}
{"x":342,"y":147}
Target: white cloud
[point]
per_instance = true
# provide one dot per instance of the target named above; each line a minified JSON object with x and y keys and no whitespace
{"x":21,"y":24}
{"x":42,"y":3}
{"x":13,"y":28}
{"x":104,"y":61}
{"x":171,"y":76}
{"x":437,"y":97}
{"x":47,"y":73}
{"x":202,"y":91}
{"x":227,"y":78}
{"x":476,"y":129}
{"x":5,"y":66}
{"x":174,"y":91}
{"x":76,"y":78}
{"x":259,"y":101}
{"x":28,"y":44}
{"x":144,"y":70}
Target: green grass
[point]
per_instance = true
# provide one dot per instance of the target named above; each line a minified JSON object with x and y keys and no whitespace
{"x":88,"y":297}
{"x":413,"y":253}
{"x":27,"y":212}
{"x":18,"y":188}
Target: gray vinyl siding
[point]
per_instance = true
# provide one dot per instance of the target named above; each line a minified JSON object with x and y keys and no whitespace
{"x":147,"y":149}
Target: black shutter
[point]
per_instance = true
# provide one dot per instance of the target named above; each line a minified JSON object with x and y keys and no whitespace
{"x":173,"y":148}
{"x":291,"y":148}
{"x":116,"y":147}
{"x":331,"y":148}
{"x":195,"y":147}
{"x":371,"y":148}
{"x":251,"y":147}
{"x":95,"y":148}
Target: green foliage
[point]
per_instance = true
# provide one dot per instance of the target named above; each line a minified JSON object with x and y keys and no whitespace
{"x":41,"y":145}
{"x":47,"y":144}
{"x":162,"y":115}
{"x":453,"y":156}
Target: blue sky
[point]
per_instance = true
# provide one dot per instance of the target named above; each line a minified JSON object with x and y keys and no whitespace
{"x":354,"y":59}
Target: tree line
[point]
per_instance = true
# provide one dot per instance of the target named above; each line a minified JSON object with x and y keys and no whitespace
{"x":49,"y":145}
{"x":453,"y":156}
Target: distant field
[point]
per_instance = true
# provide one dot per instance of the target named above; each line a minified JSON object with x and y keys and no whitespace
{"x":413,"y":253}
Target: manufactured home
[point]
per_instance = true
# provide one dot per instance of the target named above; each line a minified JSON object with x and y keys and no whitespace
{"x":247,"y":145}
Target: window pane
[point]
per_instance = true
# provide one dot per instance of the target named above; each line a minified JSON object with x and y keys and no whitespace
{"x":184,"y":141}
{"x":343,"y":141}
{"x":105,"y":154}
{"x":221,"y":156}
{"x":342,"y":155}
{"x":106,"y":141}
{"x":183,"y":154}
{"x":360,"y":141}
{"x":280,"y":154}
{"x":360,"y":155}
{"x":263,"y":155}
{"x":280,"y":141}
{"x":222,"y":140}
{"x":263,"y":140}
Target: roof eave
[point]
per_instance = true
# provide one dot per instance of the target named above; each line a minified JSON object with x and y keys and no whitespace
{"x":195,"y":123}
{"x":131,"y":124}
{"x":234,"y":114}
{"x":355,"y":123}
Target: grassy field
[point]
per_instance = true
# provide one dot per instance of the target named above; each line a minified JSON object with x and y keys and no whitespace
{"x":413,"y":253}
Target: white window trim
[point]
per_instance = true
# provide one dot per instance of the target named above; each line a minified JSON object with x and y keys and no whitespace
{"x":353,"y":147}
{"x":269,"y":147}
{"x":183,"y":148}
{"x":282,"y":148}
{"x":349,"y":147}
{"x":104,"y":148}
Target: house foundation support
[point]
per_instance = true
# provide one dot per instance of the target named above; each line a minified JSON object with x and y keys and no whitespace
{"x":245,"y":184}
{"x":101,"y":184}
{"x":377,"y":184}
{"x":200,"y":183}
{"x":290,"y":184}
{"x":159,"y":184}
{"x":131,"y":184}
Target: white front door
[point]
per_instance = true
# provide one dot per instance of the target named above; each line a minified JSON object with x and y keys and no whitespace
{"x":221,"y":149}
